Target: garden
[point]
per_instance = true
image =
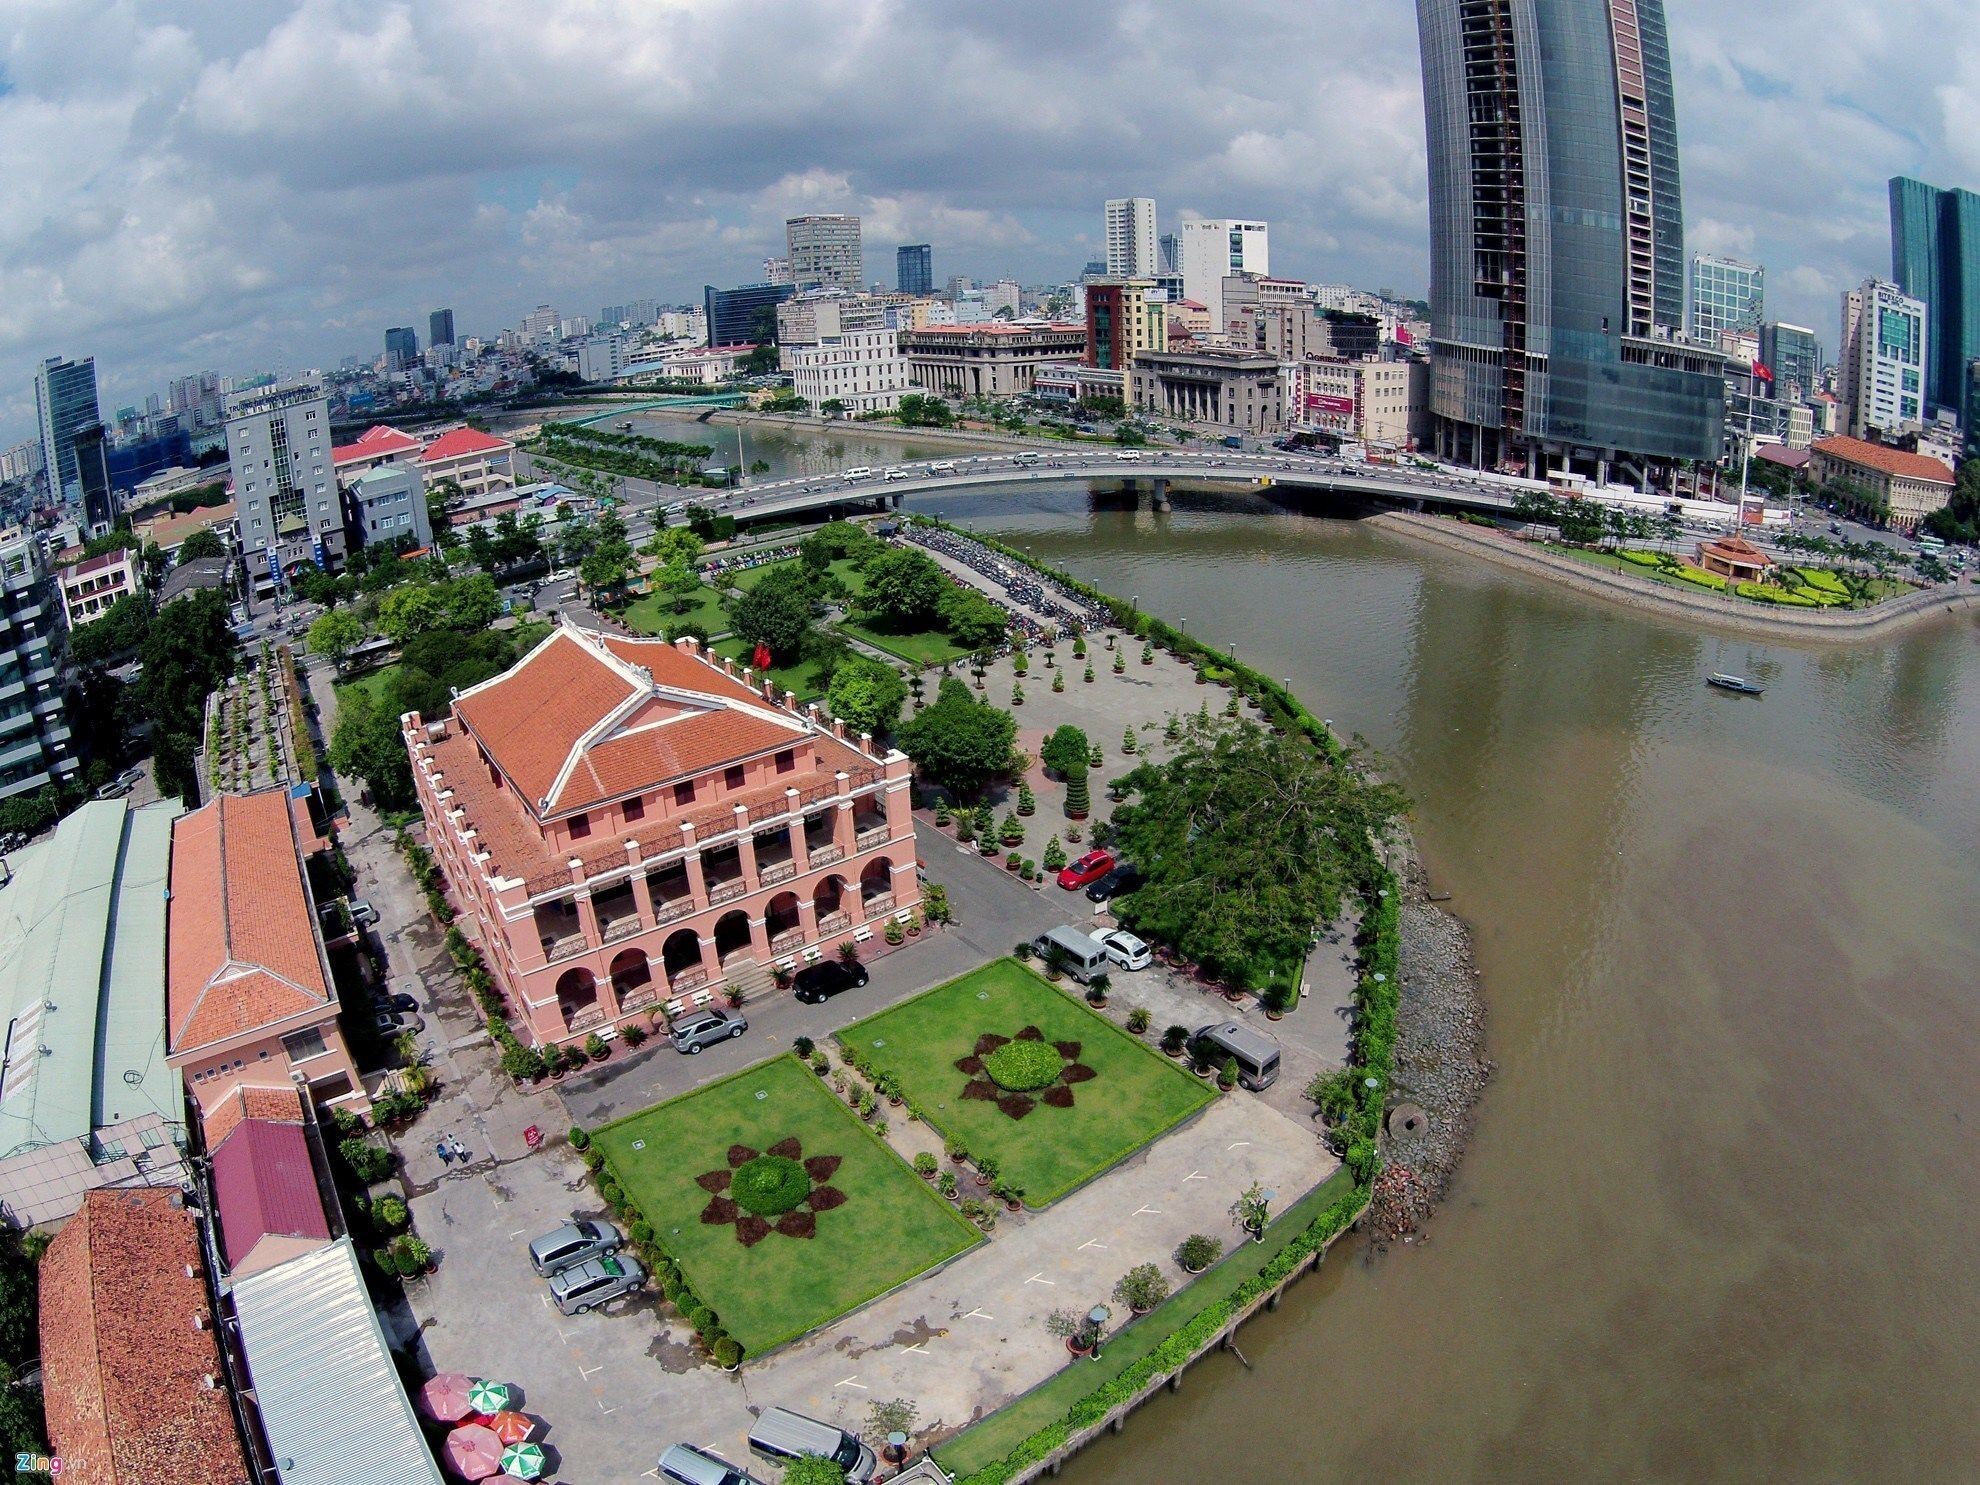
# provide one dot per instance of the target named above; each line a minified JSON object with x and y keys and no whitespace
{"x":1016,"y":1073}
{"x":782,"y":1210}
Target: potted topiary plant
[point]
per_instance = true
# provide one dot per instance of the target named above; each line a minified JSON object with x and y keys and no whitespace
{"x":595,"y":1048}
{"x":946,"y":1184}
{"x":987,"y":1169}
{"x":1141,"y":1288}
{"x":727,"y":1353}
{"x":848,"y":951}
{"x":1227,"y":1074}
{"x":1089,"y":671}
{"x":1137,"y":1020}
{"x":1096,"y":991}
{"x":924,"y":1165}
{"x":1174,"y":1039}
{"x":955,"y":1150}
{"x":1198,"y":1252}
{"x":893,"y":933}
{"x":1070,"y":1325}
{"x":1278,"y":998}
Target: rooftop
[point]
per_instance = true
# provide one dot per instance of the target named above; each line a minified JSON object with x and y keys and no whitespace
{"x":1884,"y":459}
{"x":379,"y":441}
{"x":264,"y":1185}
{"x":168,"y":531}
{"x":101,"y":562}
{"x":243,"y":953}
{"x":130,"y":1371}
{"x":245,"y":1101}
{"x":460,"y":442}
{"x":82,"y":960}
{"x":328,"y":1390}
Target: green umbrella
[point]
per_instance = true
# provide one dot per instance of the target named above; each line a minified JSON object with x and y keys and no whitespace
{"x":488,"y":1397}
{"x":524,"y":1461}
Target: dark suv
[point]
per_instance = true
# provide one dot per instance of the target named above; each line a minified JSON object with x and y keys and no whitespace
{"x":1123,"y":878}
{"x":818,"y":983}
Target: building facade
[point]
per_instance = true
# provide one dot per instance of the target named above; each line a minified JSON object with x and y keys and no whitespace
{"x":1557,"y":240}
{"x":1117,"y":322}
{"x":825,"y":252}
{"x":478,"y":462}
{"x":36,"y":748}
{"x":1726,"y":294}
{"x":1130,"y":230}
{"x":440,"y":327}
{"x":101,"y":505}
{"x":1383,"y":403}
{"x":743,"y":316}
{"x":914,"y":268}
{"x":862,"y":370}
{"x":1238,"y":391}
{"x":1912,"y":486}
{"x":64,"y":402}
{"x":90,"y":586}
{"x":401,"y":347}
{"x":1213,"y":250}
{"x":1935,"y":258}
{"x":634,"y":826}
{"x":1794,"y":356}
{"x":387,"y":505}
{"x":995,"y":360}
{"x":1885,"y":336}
{"x":285,"y":483}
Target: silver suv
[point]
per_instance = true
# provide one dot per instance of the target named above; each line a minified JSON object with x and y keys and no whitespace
{"x":575,"y":1241}
{"x":704,"y":1028}
{"x":580,"y":1287}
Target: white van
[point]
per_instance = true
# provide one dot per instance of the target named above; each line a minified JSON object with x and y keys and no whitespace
{"x":857,"y":472}
{"x":1085,"y":956}
{"x":1128,"y":456}
{"x":781,"y":1436}
{"x":942,"y":466}
{"x":1029,"y":456}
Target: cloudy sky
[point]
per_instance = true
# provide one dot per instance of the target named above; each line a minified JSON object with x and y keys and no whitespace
{"x":237,"y":186}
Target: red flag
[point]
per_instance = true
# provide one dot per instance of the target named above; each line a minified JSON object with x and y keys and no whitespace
{"x":1761,"y":371}
{"x":760,"y":658}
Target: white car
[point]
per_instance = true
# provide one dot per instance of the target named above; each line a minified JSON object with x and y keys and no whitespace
{"x":1128,"y":456}
{"x":897,"y":473}
{"x":1124,"y":949}
{"x":942,"y":466}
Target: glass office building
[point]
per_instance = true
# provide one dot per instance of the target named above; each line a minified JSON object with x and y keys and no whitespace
{"x":1935,"y":258}
{"x":745,"y":315}
{"x":64,"y":405}
{"x":914,"y":268}
{"x":1557,"y":241}
{"x":1726,"y":294}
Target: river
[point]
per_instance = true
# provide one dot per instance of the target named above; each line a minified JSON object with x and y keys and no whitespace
{"x":1718,"y":1221}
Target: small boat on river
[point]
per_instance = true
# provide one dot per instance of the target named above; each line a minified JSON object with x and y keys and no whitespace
{"x":1737,"y":683}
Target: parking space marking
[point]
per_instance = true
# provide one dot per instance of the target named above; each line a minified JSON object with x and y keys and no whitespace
{"x":603,"y":1409}
{"x":917,"y":1349}
{"x":978,"y":1315}
{"x":1093,"y":1243}
{"x":1238,"y":1145}
{"x":518,"y":1233}
{"x":1041,"y":1279}
{"x":1148,"y":1212}
{"x":853,"y":1381}
{"x":586,"y":1372}
{"x":1196,"y":1175}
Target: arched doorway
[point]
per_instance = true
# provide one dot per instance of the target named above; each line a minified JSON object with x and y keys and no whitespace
{"x":680,"y":956}
{"x":577,"y":998}
{"x":783,"y":924}
{"x":828,"y":901}
{"x":632,"y":979}
{"x":876,"y":885}
{"x":731,"y":935}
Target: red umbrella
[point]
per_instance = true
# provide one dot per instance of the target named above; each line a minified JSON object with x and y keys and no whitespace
{"x":473,"y":1452}
{"x":510,"y":1426}
{"x":445,"y":1398}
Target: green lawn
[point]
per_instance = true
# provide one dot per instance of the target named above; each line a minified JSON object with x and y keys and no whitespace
{"x":843,"y":570}
{"x":374,"y":683}
{"x":788,"y":677}
{"x":890,"y":1227}
{"x":920,"y":648}
{"x":654,"y":612}
{"x":1133,"y":1095}
{"x":1004,"y":1430}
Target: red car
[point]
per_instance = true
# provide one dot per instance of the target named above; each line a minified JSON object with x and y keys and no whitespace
{"x":1089,"y":868}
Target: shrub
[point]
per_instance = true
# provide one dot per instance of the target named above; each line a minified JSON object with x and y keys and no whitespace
{"x":366,"y":1161}
{"x":389,"y":1212}
{"x":1055,"y":855}
{"x":819,"y":1063}
{"x":924,"y":1164}
{"x":1027,"y":802}
{"x":1022,"y":1066}
{"x":955,"y":1149}
{"x":346,"y":1123}
{"x":1198,"y":1251}
{"x":769,"y":1185}
{"x":946,"y":1183}
{"x":804,"y":1046}
{"x":702,"y":1319}
{"x":611,"y":1192}
{"x":1137,"y":1020}
{"x":1141,"y":1287}
{"x":642,"y":1233}
{"x":594,"y":1160}
{"x":1227,"y":1075}
{"x":522,"y":1063}
{"x":942,"y":816}
{"x":580,"y":1139}
{"x":1058,"y":680}
{"x":595,"y":1048}
{"x":814,"y":1469}
{"x":727,"y":1353}
{"x":634,"y":1033}
{"x":893,"y":932}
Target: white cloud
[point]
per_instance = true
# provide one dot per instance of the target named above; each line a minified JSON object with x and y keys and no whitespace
{"x":195,"y":184}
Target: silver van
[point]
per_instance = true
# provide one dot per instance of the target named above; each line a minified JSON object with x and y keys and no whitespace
{"x":1085,"y":956}
{"x":781,"y":1436}
{"x":580,"y":1287}
{"x":686,"y":1465}
{"x":1256,"y":1054}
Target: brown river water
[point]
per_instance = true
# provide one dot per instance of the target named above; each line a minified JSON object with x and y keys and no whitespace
{"x":1720,"y":1220}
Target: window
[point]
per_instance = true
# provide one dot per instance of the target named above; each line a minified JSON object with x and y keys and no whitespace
{"x":786,"y":760}
{"x":732,"y":776}
{"x":635,"y":810}
{"x":580,"y":826}
{"x":305,"y":1044}
{"x":684,"y":793}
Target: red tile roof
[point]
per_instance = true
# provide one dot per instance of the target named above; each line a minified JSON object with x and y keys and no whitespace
{"x":99,"y":562}
{"x":127,"y":1347}
{"x":462,"y":441}
{"x":241,"y":949}
{"x":1883,"y":459}
{"x":265,"y":1186}
{"x":281,"y":1105}
{"x":376,"y":442}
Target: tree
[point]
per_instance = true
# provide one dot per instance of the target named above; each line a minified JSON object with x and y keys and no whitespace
{"x":814,"y":1469}
{"x":439,"y":500}
{"x":202,"y":543}
{"x":365,"y":744}
{"x":776,"y":613}
{"x":959,"y":742}
{"x":335,"y":635}
{"x":188,"y":651}
{"x":1065,"y":751}
{"x":607,"y":568}
{"x":1247,"y":840}
{"x":920,"y":411}
{"x":832,"y":407}
{"x":674,"y":543}
{"x":761,"y":361}
{"x":409,"y":611}
{"x":471,"y":603}
{"x":679,"y":580}
{"x":904,"y":588}
{"x":121,"y":630}
{"x":30,"y":814}
{"x":866,"y":694}
{"x":1582,"y":522}
{"x":972,"y":620}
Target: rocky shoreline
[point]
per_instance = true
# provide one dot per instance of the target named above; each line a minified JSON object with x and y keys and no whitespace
{"x":1440,"y":1064}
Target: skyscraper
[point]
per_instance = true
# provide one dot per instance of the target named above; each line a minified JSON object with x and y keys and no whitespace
{"x":440,"y":327}
{"x":1935,"y":258}
{"x":1131,"y":237}
{"x":401,"y":347}
{"x":743,"y":316}
{"x":1793,"y":354}
{"x":1884,"y":335}
{"x":1726,"y":294}
{"x":1557,"y":239}
{"x":1212,"y":251}
{"x":914,"y":268}
{"x":825,"y":252}
{"x":1169,"y":250}
{"x":100,"y":504}
{"x":64,"y":401}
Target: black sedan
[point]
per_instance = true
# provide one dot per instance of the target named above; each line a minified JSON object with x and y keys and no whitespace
{"x":820,"y":982}
{"x":394,"y":1003}
{"x":1123,"y":878}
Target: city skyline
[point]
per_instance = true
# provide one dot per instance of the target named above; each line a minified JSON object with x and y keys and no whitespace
{"x":126,"y":242}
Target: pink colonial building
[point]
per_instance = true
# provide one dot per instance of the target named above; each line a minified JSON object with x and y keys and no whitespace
{"x":636,"y":826}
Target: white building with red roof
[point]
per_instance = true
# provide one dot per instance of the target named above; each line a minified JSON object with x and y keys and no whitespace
{"x":635,"y":826}
{"x":478,"y":462}
{"x":377,"y":446}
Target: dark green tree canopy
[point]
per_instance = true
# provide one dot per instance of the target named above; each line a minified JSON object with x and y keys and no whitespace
{"x":866,"y":694}
{"x":904,"y":588}
{"x":959,"y":742}
{"x":775,"y":613}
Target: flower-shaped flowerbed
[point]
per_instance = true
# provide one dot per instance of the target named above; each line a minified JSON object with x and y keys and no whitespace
{"x":773,"y":1190}
{"x":1020,"y":1072}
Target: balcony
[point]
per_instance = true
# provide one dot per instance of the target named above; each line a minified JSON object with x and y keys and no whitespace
{"x":618,"y":928}
{"x":777,"y":871}
{"x":880,"y":902}
{"x":562,"y":948}
{"x":834,"y":922}
{"x":873,"y":835}
{"x":691,"y":978}
{"x":825,"y":856}
{"x":726,"y":892}
{"x":787,"y":943}
{"x":587,"y":1018}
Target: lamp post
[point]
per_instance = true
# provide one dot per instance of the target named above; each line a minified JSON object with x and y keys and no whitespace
{"x":1096,"y":1317}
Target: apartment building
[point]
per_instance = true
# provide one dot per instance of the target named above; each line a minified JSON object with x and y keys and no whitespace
{"x":285,"y":483}
{"x":90,"y":586}
{"x":36,"y":748}
{"x":863,"y":371}
{"x":634,"y":825}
